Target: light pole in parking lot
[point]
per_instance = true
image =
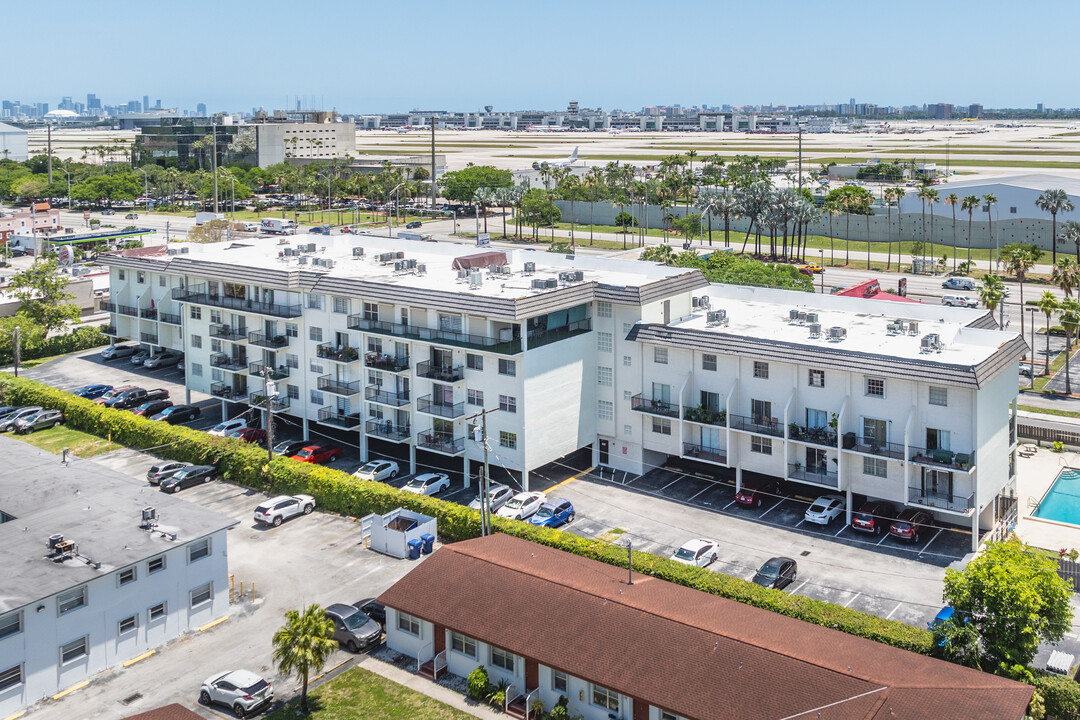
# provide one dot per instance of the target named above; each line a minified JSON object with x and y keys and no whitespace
{"x":146,"y":188}
{"x":389,"y":214}
{"x":327,"y":179}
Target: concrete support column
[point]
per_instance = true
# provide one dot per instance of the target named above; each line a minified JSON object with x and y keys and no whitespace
{"x":187,"y":394}
{"x":848,"y":512}
{"x":738,"y":478}
{"x":362,"y":444}
{"x":306,"y":436}
{"x":975,"y":530}
{"x":468,"y":480}
{"x":412,"y":458}
{"x":524,"y":481}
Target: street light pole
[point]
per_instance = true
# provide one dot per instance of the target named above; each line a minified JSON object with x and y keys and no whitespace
{"x":1031,"y":366}
{"x":389,"y":214}
{"x":146,"y":189}
{"x":327,"y":179}
{"x":69,"y":189}
{"x":822,"y":266}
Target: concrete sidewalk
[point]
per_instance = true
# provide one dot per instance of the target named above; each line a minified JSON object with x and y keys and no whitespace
{"x":427,"y":687}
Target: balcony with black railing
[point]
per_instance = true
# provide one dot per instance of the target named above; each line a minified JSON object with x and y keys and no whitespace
{"x":446,"y":410}
{"x":546,"y":337}
{"x":228,"y":332}
{"x":109,"y":330}
{"x":276,"y":373}
{"x":337,"y":353}
{"x":823,"y":436}
{"x":129,"y":310}
{"x":387,"y":430}
{"x":939,"y":458}
{"x":756,"y":425}
{"x":228,"y":362}
{"x":386,"y":363}
{"x":272,"y":342}
{"x":148,"y":313}
{"x":169,"y":318}
{"x":339,"y":387}
{"x":818,"y":475}
{"x":228,"y":392}
{"x":277,"y":404}
{"x":709,"y":454}
{"x":440,"y":443}
{"x":442,"y":373}
{"x":873,"y":446}
{"x":151,"y":338}
{"x":643,"y":404}
{"x":340,"y":418}
{"x":434,"y":335}
{"x":198,"y":295}
{"x":376,"y":393}
{"x":705,"y":416}
{"x":108,"y":306}
{"x":934,"y":500}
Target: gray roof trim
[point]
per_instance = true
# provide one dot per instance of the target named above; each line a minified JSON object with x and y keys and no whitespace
{"x":159,"y":263}
{"x":1007,"y":353}
{"x":656,"y":290}
{"x":263,"y":277}
{"x":985,"y":321}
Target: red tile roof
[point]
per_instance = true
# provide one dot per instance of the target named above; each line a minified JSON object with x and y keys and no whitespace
{"x":696,"y":654}
{"x":174,"y":711}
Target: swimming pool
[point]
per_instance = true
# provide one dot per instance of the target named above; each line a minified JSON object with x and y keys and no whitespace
{"x":1061,"y":502}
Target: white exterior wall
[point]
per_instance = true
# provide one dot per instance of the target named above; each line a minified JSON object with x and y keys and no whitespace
{"x":559,"y":412}
{"x":992,"y":431}
{"x":37,"y":647}
{"x":14,"y":143}
{"x":422,"y":647}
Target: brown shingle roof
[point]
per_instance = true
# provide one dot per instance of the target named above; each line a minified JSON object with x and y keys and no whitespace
{"x":696,"y":654}
{"x":174,"y":711}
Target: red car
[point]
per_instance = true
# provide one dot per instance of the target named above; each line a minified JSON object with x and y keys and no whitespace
{"x":251,"y":435}
{"x":909,"y":524}
{"x":753,"y":493}
{"x":318,"y":454}
{"x":873,"y":517}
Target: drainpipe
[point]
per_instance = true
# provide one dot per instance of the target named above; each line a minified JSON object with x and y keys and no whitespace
{"x":907,"y":451}
{"x":727,"y":435}
{"x":682,"y":389}
{"x":840,"y":461}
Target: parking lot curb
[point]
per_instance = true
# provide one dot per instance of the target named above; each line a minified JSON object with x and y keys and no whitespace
{"x":16,"y":716}
{"x":209,"y":625}
{"x":138,"y":658}
{"x":73,"y":688}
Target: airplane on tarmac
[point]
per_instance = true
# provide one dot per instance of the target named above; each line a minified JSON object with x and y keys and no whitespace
{"x":547,"y":128}
{"x":565,"y":162}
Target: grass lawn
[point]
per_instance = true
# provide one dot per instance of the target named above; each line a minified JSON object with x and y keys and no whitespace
{"x":54,"y":440}
{"x":306,"y":216}
{"x":545,"y":239}
{"x":359,"y":694}
{"x":1049,"y":411}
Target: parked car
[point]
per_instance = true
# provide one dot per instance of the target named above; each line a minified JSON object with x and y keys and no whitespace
{"x":164,"y":470}
{"x":114,"y":352}
{"x":413,"y":225}
{"x":777,"y":573}
{"x":378,"y":470}
{"x":8,"y":423}
{"x":178,"y":414}
{"x":110,"y":394}
{"x":135,"y":397}
{"x":825,"y":509}
{"x":910,"y":524}
{"x":250,"y":435}
{"x":498,"y":494}
{"x":428,"y":484}
{"x":288,"y":448}
{"x":93,"y":392}
{"x":959,"y":301}
{"x":224,"y":428}
{"x":373,"y":609}
{"x":699,"y":552}
{"x":7,"y":410}
{"x":152,"y":407}
{"x":319,"y":454}
{"x":278,"y":509}
{"x":108,"y":211}
{"x":38,"y":421}
{"x":1025,"y":369}
{"x":165,"y":359}
{"x":522,"y":506}
{"x":873,"y":516}
{"x":554,"y":513}
{"x":187,"y":477}
{"x":754,"y":492}
{"x":140,"y":357}
{"x":959,"y":283}
{"x":353,"y":628}
{"x":241,"y":690}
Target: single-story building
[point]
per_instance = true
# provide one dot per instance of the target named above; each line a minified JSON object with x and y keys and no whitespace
{"x":555,"y":624}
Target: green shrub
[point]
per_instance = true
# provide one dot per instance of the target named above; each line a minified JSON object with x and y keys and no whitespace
{"x":1060,"y":695}
{"x":479,"y":686}
{"x":82,"y":338}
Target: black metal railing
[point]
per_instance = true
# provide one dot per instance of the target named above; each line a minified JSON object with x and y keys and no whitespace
{"x":546,"y":337}
{"x":277,"y":404}
{"x":228,"y":332}
{"x":425,"y":405}
{"x":151,"y":338}
{"x":654,"y":407}
{"x":814,"y":435}
{"x":276,"y":373}
{"x":170,"y":318}
{"x":446,"y":337}
{"x":442,"y":373}
{"x":705,"y":416}
{"x":874,"y":446}
{"x":197,"y":294}
{"x":221,"y":390}
{"x":375,"y":393}
{"x":107,"y":306}
{"x":760,"y":426}
{"x":128,"y":310}
{"x":227,"y":362}
{"x":388,"y":430}
{"x":943,"y":458}
{"x":925,"y":497}
{"x":109,"y":330}
{"x":275,"y":342}
{"x":819,"y":476}
{"x":148,"y":313}
{"x":343,"y":354}
{"x":699,"y":452}
{"x":441,"y":443}
{"x":340,"y":418}
{"x":389,"y":363}
{"x":339,"y":387}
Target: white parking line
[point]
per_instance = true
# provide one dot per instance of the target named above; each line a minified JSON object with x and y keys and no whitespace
{"x":842,"y":529}
{"x":800,"y":522}
{"x":680,"y":477}
{"x":931,"y":540}
{"x":799,"y":587}
{"x":728,"y":505}
{"x":883,"y":537}
{"x":889,"y":616}
{"x":771,"y":509}
{"x":707,"y":487}
{"x":848,"y":603}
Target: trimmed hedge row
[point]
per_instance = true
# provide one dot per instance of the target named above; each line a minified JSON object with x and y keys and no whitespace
{"x":83,"y":338}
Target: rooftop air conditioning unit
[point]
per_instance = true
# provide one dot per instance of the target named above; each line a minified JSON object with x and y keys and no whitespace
{"x":505,"y":269}
{"x":303,"y":259}
{"x":184,"y":250}
{"x":802,"y":317}
{"x":577,"y":276}
{"x":895,"y":328}
{"x":311,"y":247}
{"x":463,"y":274}
{"x":837,"y":333}
{"x":530,"y":267}
{"x":328,"y":263}
{"x":399,"y":266}
{"x":695,"y":302}
{"x":793,"y":315}
{"x":913,"y":328}
{"x":421,"y":268}
{"x":358,"y":252}
{"x":705,"y":301}
{"x":55,"y":540}
{"x":400,"y":254}
{"x":287,"y":252}
{"x":149,"y":514}
{"x":811,"y":317}
{"x":931,"y":343}
{"x":551,"y":283}
{"x":815,"y":329}
{"x":716,"y":317}
{"x":539,"y":283}
{"x":410,"y":264}
{"x":170,"y":251}
{"x":476,"y":279}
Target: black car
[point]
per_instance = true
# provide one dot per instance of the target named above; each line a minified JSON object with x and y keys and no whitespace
{"x":777,"y":573}
{"x":873,"y":517}
{"x":163,"y":470}
{"x":178,"y":414}
{"x":288,"y":448}
{"x":413,"y":225}
{"x":193,"y":475}
{"x":373,"y":609}
{"x":152,"y":408}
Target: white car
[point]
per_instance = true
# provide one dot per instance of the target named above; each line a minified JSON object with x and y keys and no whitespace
{"x":114,"y":352}
{"x":825,"y":509}
{"x":278,"y":509}
{"x":428,"y":484}
{"x":378,"y":470}
{"x":224,"y":428}
{"x":240,"y":690}
{"x":959,"y":301}
{"x":497,"y":496}
{"x":699,"y":552}
{"x":522,"y":506}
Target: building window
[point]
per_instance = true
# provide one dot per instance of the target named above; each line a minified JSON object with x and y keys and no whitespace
{"x":628,"y":430}
{"x":508,"y":439}
{"x":817,"y":378}
{"x":316,"y":397}
{"x":11,"y":677}
{"x":140,"y":277}
{"x":155,"y":565}
{"x":71,"y":600}
{"x":215,"y":317}
{"x":215,"y":345}
{"x":196,"y":341}
{"x":475,"y":397}
{"x":463,"y":645}
{"x":127,"y":624}
{"x":603,"y":376}
{"x":761,"y":445}
{"x":409,"y":624}
{"x":661,"y":426}
{"x":708,"y":362}
{"x":313,"y":301}
{"x":196,"y":311}
{"x":1012,"y":209}
{"x":665,"y":715}
{"x":603,"y":341}
{"x":761,"y":370}
{"x":474,"y":361}
{"x":120,"y":274}
{"x":603,"y":309}
{"x":293,"y":392}
{"x":607,"y":699}
{"x":502,"y":659}
{"x":157,"y":611}
{"x":627,"y":361}
{"x":161,"y":281}
{"x":341,"y":305}
{"x":626,"y":328}
{"x":74,"y":650}
{"x":315,"y":368}
{"x":627,"y":395}
{"x":875,"y":466}
{"x":202,"y":594}
{"x":450,"y":323}
{"x":875,"y":387}
{"x":125,"y":576}
{"x":371,"y":312}
{"x":559,"y":681}
{"x":939,"y":396}
{"x":508,"y":403}
{"x":10,"y":625}
{"x":660,"y":355}
{"x":292,"y":361}
{"x":605,"y":410}
{"x":198,"y":550}
{"x":292,"y":330}
{"x":217,"y":375}
{"x":507,"y":367}
{"x":315,"y":334}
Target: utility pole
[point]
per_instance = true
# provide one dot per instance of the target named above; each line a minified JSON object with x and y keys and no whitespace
{"x":629,"y":561}
{"x":433,"y":166}
{"x":485,"y":482}
{"x":268,"y":387}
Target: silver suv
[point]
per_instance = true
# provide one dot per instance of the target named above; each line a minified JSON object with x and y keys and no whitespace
{"x":352,"y":628}
{"x":240,"y":690}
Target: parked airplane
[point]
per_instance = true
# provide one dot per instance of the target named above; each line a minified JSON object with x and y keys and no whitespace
{"x":547,"y":128}
{"x":565,"y":162}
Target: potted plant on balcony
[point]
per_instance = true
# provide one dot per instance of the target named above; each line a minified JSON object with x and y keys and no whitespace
{"x":793,"y":429}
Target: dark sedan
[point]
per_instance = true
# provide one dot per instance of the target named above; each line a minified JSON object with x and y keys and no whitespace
{"x":873,"y":517}
{"x":178,"y":414}
{"x":373,"y":609}
{"x":288,"y":448}
{"x":777,"y":573}
{"x":193,"y":475}
{"x":910,"y":525}
{"x":164,"y":470}
{"x":152,"y":408}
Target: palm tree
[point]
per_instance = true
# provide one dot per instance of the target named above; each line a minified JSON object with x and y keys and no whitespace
{"x":888,"y":195}
{"x":1048,"y":303}
{"x":899,"y":194}
{"x":848,"y":203}
{"x":690,"y":155}
{"x":1070,"y":321}
{"x":727,"y":206}
{"x":991,"y":294}
{"x":1019,"y":259}
{"x":1070,"y":232}
{"x":1053,"y":202}
{"x":990,"y":199}
{"x":1066,"y":275}
{"x":303,"y":644}
{"x":833,"y":208}
{"x":924,"y":194}
{"x":594,"y":178}
{"x":932,"y":196}
{"x":952,"y":199}
{"x":969,"y":203}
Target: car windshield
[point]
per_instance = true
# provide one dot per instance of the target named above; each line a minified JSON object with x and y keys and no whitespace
{"x":684,"y":554}
{"x":544,"y":512}
{"x":305,"y":453}
{"x":262,"y":509}
{"x":370,"y":467}
{"x":514,"y":503}
{"x":418,"y":482}
{"x":221,"y":427}
{"x":769,"y":571}
{"x":356,"y":620}
{"x":819,"y":506}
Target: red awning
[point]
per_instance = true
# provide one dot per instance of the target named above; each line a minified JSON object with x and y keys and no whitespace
{"x":479,"y":260}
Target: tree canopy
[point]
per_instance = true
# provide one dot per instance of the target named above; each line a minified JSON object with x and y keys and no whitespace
{"x":461,"y":185}
{"x":44,"y":296}
{"x":727,"y":267}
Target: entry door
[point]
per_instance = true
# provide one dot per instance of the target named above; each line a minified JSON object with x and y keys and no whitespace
{"x":937,"y":483}
{"x":761,"y":412}
{"x":937,"y":439}
{"x":710,"y":439}
{"x":661,"y":392}
{"x":816,"y":461}
{"x":603,"y":452}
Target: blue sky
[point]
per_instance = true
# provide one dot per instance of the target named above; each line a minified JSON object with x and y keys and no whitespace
{"x":361,"y":56}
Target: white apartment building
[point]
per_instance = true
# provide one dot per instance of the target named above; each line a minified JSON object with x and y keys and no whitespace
{"x":393,"y":346}
{"x":87,"y":582}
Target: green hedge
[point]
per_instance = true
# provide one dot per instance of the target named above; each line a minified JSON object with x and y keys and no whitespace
{"x":82,"y":338}
{"x":1061,"y":695}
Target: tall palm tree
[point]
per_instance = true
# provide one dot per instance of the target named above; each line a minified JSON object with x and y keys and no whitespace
{"x":1053,"y":202}
{"x":898,"y":194}
{"x":888,"y":195}
{"x":690,"y":155}
{"x":834,"y":209}
{"x":932,"y":196}
{"x":990,"y":200}
{"x":969,"y":203}
{"x":594,"y":178}
{"x":1070,"y":320}
{"x":849,"y":203}
{"x":924,"y":194}
{"x":726,"y":205}
{"x":952,"y":199}
{"x":992,"y":293}
{"x":1048,"y":303}
{"x":303,"y":644}
{"x":569,"y":188}
{"x":1066,"y":275}
{"x":1019,"y":259}
{"x":1070,"y":232}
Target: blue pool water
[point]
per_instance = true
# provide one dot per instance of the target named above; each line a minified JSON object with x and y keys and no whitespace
{"x":1062,"y":500}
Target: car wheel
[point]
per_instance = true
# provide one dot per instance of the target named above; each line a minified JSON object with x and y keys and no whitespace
{"x":393,"y":474}
{"x":238,"y":709}
{"x":713,"y":559}
{"x":56,"y":424}
{"x":758,"y":503}
{"x":332,"y":458}
{"x":916,"y":538}
{"x":204,"y":698}
{"x":208,"y":478}
{"x":277,"y":521}
{"x":570,"y":518}
{"x":352,"y":647}
{"x":308,"y":509}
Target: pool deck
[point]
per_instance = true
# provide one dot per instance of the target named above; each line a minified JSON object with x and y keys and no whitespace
{"x":1034,"y":477}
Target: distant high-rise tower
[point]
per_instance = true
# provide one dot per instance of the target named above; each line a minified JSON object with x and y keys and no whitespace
{"x":975,"y":110}
{"x":298,"y":106}
{"x":92,"y":102}
{"x":200,"y":109}
{"x":1039,"y":108}
{"x":145,"y":103}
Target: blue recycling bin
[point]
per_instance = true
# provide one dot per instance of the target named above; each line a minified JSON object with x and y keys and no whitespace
{"x":414,"y":549}
{"x":429,"y":542}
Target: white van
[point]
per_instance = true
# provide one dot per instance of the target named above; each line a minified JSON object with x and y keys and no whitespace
{"x":959,"y":301}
